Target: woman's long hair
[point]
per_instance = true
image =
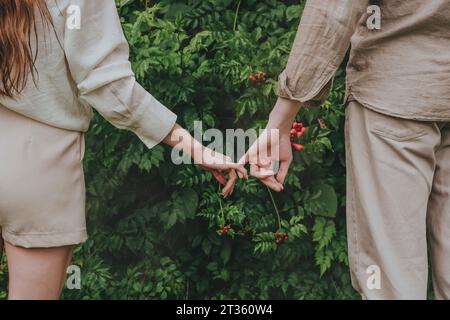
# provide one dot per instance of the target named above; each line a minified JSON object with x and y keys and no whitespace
{"x":18,"y":22}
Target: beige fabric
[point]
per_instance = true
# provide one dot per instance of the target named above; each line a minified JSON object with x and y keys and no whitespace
{"x":89,"y":67}
{"x":403,"y":69}
{"x":398,"y":174}
{"x":42,"y":191}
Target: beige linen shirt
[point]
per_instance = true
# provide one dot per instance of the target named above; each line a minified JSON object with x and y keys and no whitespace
{"x":89,"y":67}
{"x":402,"y":69}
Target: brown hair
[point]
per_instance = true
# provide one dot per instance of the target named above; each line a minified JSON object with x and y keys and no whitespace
{"x":17,"y":29}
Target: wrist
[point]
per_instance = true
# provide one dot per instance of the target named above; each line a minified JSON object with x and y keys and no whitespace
{"x":196,"y":151}
{"x":283,"y":114}
{"x":181,"y":139}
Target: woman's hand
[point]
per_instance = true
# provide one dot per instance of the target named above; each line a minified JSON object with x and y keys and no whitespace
{"x":210,"y":160}
{"x":273,"y":145}
{"x":219,"y":164}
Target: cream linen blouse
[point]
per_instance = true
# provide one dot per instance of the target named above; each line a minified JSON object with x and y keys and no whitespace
{"x":89,"y":67}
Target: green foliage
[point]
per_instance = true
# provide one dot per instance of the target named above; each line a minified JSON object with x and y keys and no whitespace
{"x":154,"y":226}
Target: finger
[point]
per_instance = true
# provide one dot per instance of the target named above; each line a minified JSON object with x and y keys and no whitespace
{"x":219,"y":177}
{"x":241,"y":165}
{"x":260,"y":173}
{"x":264,"y":163}
{"x":243,"y":161}
{"x":272,"y":183}
{"x":234,"y":184}
{"x":254,"y":152}
{"x":239,"y":168}
{"x":284,"y":169}
{"x":229,"y":186}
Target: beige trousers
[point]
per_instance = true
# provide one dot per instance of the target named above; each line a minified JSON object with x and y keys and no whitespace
{"x":398,"y":204}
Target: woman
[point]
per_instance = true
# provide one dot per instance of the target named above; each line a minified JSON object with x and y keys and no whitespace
{"x":397,"y":134}
{"x":51,"y":75}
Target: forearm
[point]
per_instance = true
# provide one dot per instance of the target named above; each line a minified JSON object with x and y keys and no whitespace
{"x":181,"y":139}
{"x":283,"y":114}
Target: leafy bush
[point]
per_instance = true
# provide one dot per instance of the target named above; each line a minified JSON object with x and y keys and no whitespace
{"x":154,"y":226}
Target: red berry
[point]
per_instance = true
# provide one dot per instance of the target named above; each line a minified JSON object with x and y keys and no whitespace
{"x":297,"y":126}
{"x":298,"y":146}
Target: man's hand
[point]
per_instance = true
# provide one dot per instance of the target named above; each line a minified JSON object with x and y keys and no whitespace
{"x":273,"y":146}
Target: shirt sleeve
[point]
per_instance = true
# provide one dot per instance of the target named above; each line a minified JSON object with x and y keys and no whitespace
{"x":320,"y":45}
{"x":98,"y":58}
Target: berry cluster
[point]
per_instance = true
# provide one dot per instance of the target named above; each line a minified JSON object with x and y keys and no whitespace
{"x":225,"y":229}
{"x":279,"y":238}
{"x":258,"y":78}
{"x":297,"y":131}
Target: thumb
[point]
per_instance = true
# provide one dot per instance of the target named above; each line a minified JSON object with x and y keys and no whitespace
{"x":283,"y":171}
{"x":242,"y":162}
{"x":240,"y":169}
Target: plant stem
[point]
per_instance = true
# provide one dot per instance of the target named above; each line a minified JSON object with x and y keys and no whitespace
{"x":222,"y":215}
{"x":275,"y":207}
{"x":236,"y":15}
{"x":187,"y":290}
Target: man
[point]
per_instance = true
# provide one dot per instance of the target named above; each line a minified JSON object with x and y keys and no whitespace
{"x":397,"y":134}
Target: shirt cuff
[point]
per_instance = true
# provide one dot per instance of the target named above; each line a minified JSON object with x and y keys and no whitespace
{"x":153,"y":122}
{"x":312,"y":99}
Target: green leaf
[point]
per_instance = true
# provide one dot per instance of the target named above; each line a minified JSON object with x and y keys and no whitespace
{"x":326,"y":200}
{"x":185,"y":204}
{"x":225,"y":253}
{"x":293,"y":12}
